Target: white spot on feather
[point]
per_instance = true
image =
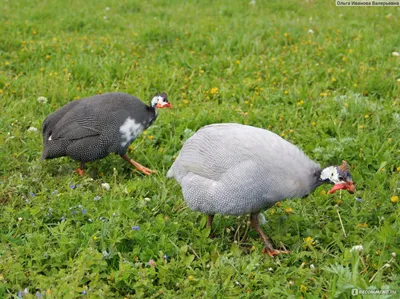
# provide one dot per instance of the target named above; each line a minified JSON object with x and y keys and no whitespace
{"x":49,"y":138}
{"x":129,"y":130}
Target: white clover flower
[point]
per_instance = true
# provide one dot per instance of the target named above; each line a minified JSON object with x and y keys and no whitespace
{"x":252,"y":2}
{"x":20,"y":219}
{"x":397,"y":54}
{"x":310,"y":31}
{"x":32,"y":129}
{"x":107,"y":8}
{"x":357,"y":248}
{"x":312,"y":267}
{"x":42,"y":100}
{"x":106,"y":186}
{"x":147,"y":199}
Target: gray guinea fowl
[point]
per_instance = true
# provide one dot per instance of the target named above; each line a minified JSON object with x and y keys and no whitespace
{"x":91,"y":128}
{"x":233,"y":169}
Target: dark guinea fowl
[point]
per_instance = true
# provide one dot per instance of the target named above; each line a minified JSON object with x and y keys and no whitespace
{"x":233,"y":169}
{"x":91,"y":128}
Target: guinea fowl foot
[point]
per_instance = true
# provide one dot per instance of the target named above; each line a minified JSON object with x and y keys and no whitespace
{"x":80,"y":170}
{"x":272,"y":252}
{"x":268,"y":248}
{"x":138,"y":166}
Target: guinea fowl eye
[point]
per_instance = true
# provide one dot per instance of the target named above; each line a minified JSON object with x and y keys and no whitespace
{"x":341,"y":178}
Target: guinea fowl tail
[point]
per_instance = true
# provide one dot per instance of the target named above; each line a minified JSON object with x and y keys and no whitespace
{"x":170,"y":173}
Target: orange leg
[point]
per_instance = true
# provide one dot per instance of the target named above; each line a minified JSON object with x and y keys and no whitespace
{"x":138,"y":166}
{"x":268,"y":248}
{"x":80,"y":170}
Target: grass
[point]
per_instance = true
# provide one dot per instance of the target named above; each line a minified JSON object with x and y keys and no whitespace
{"x":321,"y":76}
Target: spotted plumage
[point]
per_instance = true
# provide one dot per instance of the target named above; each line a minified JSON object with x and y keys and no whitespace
{"x":91,"y":128}
{"x":233,"y":169}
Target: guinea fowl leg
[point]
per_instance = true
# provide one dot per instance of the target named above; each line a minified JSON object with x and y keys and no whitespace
{"x":138,"y":166}
{"x":210,"y":220}
{"x":268,"y":248}
{"x":80,"y":170}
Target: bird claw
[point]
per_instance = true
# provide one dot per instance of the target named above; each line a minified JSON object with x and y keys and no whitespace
{"x":80,"y":171}
{"x":146,"y":171}
{"x":272,"y":252}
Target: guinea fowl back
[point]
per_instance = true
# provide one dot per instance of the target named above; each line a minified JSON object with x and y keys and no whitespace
{"x":100,"y":115}
{"x":241,"y":162}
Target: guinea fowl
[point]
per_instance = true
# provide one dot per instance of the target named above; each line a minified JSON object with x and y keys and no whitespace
{"x":90,"y":128}
{"x":234,"y":169}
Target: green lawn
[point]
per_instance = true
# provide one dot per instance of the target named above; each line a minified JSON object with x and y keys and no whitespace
{"x":321,"y":76}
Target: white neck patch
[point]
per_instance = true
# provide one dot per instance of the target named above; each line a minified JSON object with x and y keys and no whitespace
{"x":330,"y":173}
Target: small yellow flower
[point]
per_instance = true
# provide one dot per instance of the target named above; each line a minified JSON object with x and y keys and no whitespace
{"x":398,"y":169}
{"x":286,"y":92}
{"x":1,"y":91}
{"x":323,"y":192}
{"x":308,"y":241}
{"x":300,"y":102}
{"x":278,"y":204}
{"x":201,"y":71}
{"x":7,"y":63}
{"x":151,"y":137}
{"x":313,"y":124}
{"x":48,"y":57}
{"x":366,"y":116}
{"x":34,"y":32}
{"x":190,"y":277}
{"x":303,"y":288}
{"x":333,"y":79}
{"x":394,"y":199}
{"x":186,"y":101}
{"x":237,"y":61}
{"x":378,"y":252}
{"x":286,"y":34}
{"x":361,"y":126}
{"x":214,"y":90}
{"x":95,"y":238}
{"x":288,"y":210}
{"x":362,"y":225}
{"x":42,"y":69}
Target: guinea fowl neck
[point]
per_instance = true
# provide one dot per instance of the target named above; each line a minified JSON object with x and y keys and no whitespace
{"x":317,"y":177}
{"x":152,"y":113}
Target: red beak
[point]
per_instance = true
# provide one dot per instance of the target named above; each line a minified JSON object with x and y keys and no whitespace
{"x":167,"y":105}
{"x":349,"y":186}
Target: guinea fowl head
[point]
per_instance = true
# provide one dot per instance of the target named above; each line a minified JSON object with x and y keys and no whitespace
{"x":160,"y":101}
{"x":340,"y":176}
